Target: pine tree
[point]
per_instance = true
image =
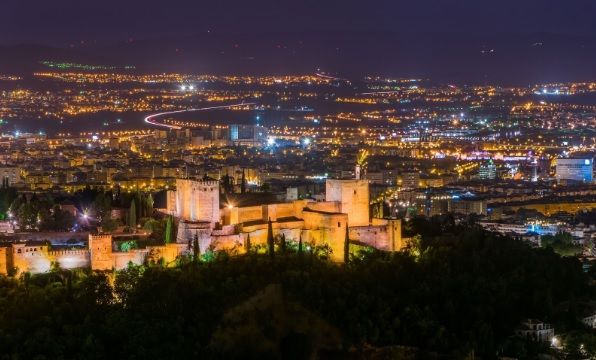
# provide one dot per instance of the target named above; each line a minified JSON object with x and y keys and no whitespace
{"x":283,"y":243}
{"x":347,"y":246}
{"x":168,"y":237}
{"x":300,"y":255}
{"x":248,"y":243}
{"x":227,"y":186}
{"x":270,"y":241}
{"x":196,"y":249}
{"x":243,"y":184}
{"x":139,"y":199}
{"x":69,"y":285}
{"x":132,"y":215}
{"x":149,"y":202}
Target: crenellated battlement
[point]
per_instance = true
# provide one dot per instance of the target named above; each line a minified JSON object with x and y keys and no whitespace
{"x":59,"y":253}
{"x":100,"y":236}
{"x":213,"y":183}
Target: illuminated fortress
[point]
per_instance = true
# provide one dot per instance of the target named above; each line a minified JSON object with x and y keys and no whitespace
{"x":99,"y":255}
{"x":228,"y":228}
{"x":318,"y":223}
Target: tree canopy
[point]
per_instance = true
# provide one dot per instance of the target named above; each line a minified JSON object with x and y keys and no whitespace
{"x":459,"y":292}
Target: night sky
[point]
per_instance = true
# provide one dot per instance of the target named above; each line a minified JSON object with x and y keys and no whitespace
{"x":60,"y":22}
{"x":504,"y":41}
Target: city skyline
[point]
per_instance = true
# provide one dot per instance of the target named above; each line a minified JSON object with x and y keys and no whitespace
{"x":298,"y":179}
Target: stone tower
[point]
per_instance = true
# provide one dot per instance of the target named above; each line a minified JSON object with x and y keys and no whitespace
{"x":197,"y":200}
{"x":353,"y":196}
{"x":394,"y":232}
{"x":100,"y":248}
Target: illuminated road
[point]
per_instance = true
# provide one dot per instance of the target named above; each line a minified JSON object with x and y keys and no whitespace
{"x":329,"y":77}
{"x":382,"y":92}
{"x":152,"y":119}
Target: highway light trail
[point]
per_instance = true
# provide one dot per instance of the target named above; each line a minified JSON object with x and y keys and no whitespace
{"x":151,"y":119}
{"x":329,"y":77}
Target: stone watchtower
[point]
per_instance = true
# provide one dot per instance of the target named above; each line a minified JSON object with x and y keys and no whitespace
{"x":100,"y":249}
{"x":353,"y":197}
{"x":197,"y":200}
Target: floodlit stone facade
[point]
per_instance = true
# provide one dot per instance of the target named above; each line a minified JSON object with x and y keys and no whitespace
{"x":228,"y":228}
{"x":353,"y":197}
{"x":197,"y":200}
{"x":318,"y":223}
{"x":20,"y":257}
{"x":100,"y":247}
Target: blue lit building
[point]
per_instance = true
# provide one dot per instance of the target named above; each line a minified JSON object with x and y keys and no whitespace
{"x":575,"y":169}
{"x":488,"y":171}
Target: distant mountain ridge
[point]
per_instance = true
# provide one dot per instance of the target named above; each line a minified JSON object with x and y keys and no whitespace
{"x":502,"y":58}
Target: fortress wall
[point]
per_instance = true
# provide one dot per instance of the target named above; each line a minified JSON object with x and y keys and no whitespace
{"x":238,"y":215}
{"x":228,"y":242}
{"x":169,"y":253}
{"x":332,"y":231}
{"x":32,"y":259}
{"x":4,"y":266}
{"x":258,"y":233}
{"x":379,"y":222}
{"x":258,"y":236}
{"x":335,"y":238}
{"x":188,"y":231}
{"x":251,"y":213}
{"x":275,"y":211}
{"x":311,"y":237}
{"x":38,"y":259}
{"x":292,"y":234}
{"x":316,"y":220}
{"x":326,"y":206}
{"x":386,"y":236}
{"x":299,"y":206}
{"x":71,"y":259}
{"x":375,"y":236}
{"x":122,"y":259}
{"x":225,"y":230}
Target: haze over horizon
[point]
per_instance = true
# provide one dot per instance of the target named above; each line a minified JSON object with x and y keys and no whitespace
{"x":465,"y":41}
{"x":65,"y":22}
